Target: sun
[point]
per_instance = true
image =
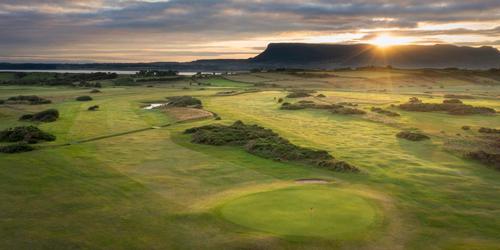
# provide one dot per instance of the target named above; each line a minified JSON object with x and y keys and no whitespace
{"x":384,"y":41}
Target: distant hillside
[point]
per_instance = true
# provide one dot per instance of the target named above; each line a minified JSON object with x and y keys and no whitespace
{"x":414,"y":56}
{"x":312,"y":56}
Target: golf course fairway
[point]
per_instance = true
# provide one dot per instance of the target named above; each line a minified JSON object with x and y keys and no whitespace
{"x":309,"y":210}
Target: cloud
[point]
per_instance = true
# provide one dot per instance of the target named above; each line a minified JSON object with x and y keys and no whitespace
{"x":32,"y":27}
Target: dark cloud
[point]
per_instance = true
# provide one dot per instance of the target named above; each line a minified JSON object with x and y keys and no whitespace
{"x":34,"y":27}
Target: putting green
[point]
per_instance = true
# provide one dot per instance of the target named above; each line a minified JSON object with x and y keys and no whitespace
{"x":311,"y":210}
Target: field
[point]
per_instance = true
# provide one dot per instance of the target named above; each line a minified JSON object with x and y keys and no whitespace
{"x":124,"y":177}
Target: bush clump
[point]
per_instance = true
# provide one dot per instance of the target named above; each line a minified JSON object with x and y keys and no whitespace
{"x":455,"y":101}
{"x":49,"y":115}
{"x":307,"y":104}
{"x":384,"y":112}
{"x":84,"y":98}
{"x":16,"y":148}
{"x":486,"y":158}
{"x":183,"y":101}
{"x":299,"y":94}
{"x":412,"y":136}
{"x":348,"y":111}
{"x":2,"y":101}
{"x":27,"y":99}
{"x":321,"y":96}
{"x":265,"y":143}
{"x":456,"y":96}
{"x":489,"y":130}
{"x":94,"y":91}
{"x":348,"y":104}
{"x":28,"y":134}
{"x":453,"y":107}
{"x":465,"y":127}
{"x":93,"y":108}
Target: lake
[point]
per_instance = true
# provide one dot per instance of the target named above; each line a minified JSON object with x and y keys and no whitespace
{"x":122,"y":72}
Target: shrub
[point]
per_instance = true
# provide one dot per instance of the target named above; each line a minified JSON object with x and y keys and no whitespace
{"x":466,"y":127}
{"x":26,"y":117}
{"x":383,"y":111}
{"x":489,"y":130}
{"x":412,"y":136}
{"x":455,"y":96}
{"x":348,"y":111}
{"x":93,"y":91}
{"x":456,"y":101}
{"x":93,"y":108}
{"x":486,"y":158}
{"x":184,"y":101}
{"x":2,"y":101}
{"x":280,"y":100}
{"x":299,"y":94}
{"x":453,"y":108}
{"x":348,"y":104}
{"x":321,"y":95}
{"x":29,"y":99}
{"x":84,"y":98}
{"x":48,"y":115}
{"x":414,"y":100}
{"x":16,"y":148}
{"x":307,"y":104}
{"x":264,"y":143}
{"x":29,"y":134}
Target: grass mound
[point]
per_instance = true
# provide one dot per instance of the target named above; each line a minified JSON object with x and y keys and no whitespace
{"x":412,"y":136}
{"x":265,"y":143}
{"x":184,"y":101}
{"x":489,"y":130}
{"x":49,"y":115}
{"x":84,"y":98}
{"x":384,"y":112}
{"x":29,"y":134}
{"x":452,"y":107}
{"x":486,"y":158}
{"x":16,"y":148}
{"x":27,"y":99}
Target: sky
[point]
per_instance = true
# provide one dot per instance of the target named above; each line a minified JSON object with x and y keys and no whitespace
{"x":186,"y":30}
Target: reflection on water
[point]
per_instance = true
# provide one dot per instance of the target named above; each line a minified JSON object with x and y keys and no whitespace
{"x":155,"y":105}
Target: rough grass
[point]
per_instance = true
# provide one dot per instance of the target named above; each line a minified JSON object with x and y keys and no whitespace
{"x":265,"y":143}
{"x":157,"y":190}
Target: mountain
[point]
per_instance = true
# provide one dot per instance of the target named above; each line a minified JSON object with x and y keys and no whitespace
{"x":355,"y":55}
{"x":312,"y":56}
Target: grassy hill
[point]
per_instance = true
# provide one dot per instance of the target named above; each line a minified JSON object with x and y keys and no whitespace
{"x":140,"y":183}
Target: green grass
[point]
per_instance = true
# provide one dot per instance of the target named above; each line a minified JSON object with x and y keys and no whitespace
{"x":156,"y":190}
{"x":221,"y":82}
{"x":308,"y":210}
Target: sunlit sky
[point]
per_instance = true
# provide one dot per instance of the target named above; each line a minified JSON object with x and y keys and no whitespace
{"x":175,"y":30}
